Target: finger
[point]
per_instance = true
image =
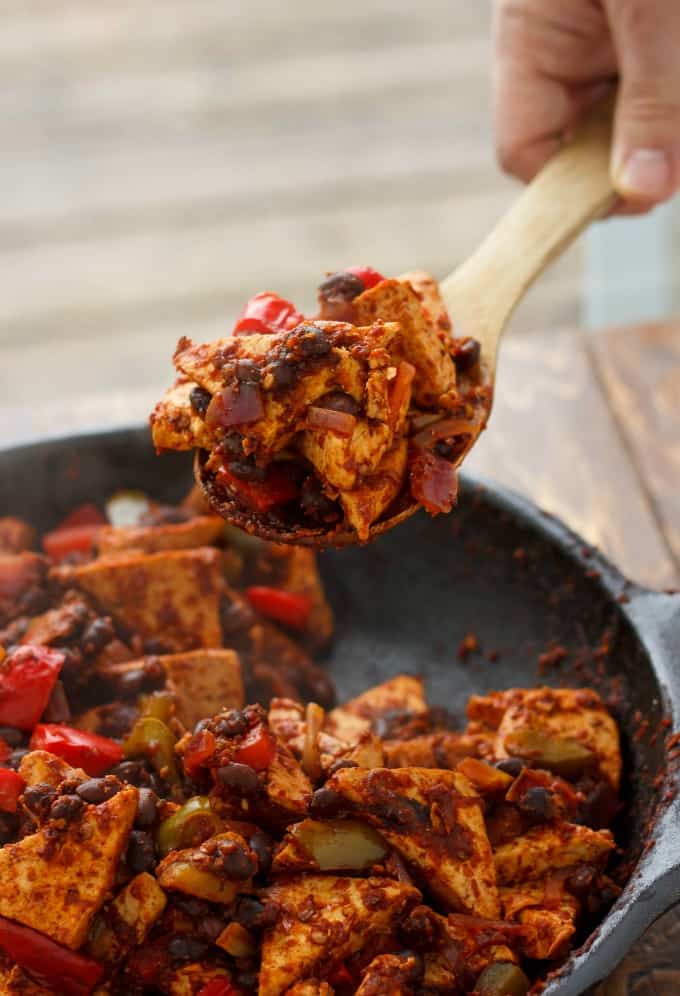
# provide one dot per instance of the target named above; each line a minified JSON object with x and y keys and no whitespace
{"x":646,"y":153}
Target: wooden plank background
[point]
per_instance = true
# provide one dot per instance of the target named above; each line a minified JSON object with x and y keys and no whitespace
{"x":161,"y":164}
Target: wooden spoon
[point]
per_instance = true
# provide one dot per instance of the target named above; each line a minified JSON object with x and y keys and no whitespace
{"x":573,"y":189}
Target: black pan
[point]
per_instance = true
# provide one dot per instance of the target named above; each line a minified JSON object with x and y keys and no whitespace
{"x":498,"y":568}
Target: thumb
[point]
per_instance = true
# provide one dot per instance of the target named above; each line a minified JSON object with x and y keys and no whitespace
{"x":646,"y":153}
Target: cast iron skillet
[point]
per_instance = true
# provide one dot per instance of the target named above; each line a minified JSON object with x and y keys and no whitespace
{"x":497,"y":567}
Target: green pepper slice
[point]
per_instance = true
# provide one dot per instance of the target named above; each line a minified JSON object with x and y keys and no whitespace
{"x":502,"y":978}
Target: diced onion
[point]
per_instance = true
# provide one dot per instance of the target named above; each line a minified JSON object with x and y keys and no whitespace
{"x":127,"y":508}
{"x":235,"y":405}
{"x":444,"y":429}
{"x":434,"y":483}
{"x":341,"y":423}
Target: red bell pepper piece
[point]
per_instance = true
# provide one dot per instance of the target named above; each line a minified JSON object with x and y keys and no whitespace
{"x":27,"y":677}
{"x":11,"y":787}
{"x":89,"y":751}
{"x":217,"y":987}
{"x":284,"y":606}
{"x":367,"y":275}
{"x":276,"y":489}
{"x":83,"y":515}
{"x":257,"y":749}
{"x":47,"y":962}
{"x":267,"y":313}
{"x":200,"y":749}
{"x":62,"y":542}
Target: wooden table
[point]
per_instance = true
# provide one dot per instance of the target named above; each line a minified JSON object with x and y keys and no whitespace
{"x":589,"y":427}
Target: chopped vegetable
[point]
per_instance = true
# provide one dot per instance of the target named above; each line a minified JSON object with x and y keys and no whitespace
{"x":61,"y":543}
{"x":49,"y":963}
{"x":366,"y":274}
{"x":401,"y":389}
{"x":189,"y":826}
{"x":11,"y":787}
{"x":434,"y":483}
{"x":83,"y":515}
{"x":283,"y":606}
{"x":502,"y":979}
{"x":237,"y":941}
{"x":278,"y":488}
{"x":160,"y":705}
{"x":27,"y":678}
{"x":257,"y":749}
{"x":236,"y":404}
{"x":200,"y":749}
{"x":340,"y":845}
{"x":266,"y":313}
{"x":568,"y":758}
{"x":151,"y":738}
{"x":93,"y":753}
{"x":127,"y":508}
{"x":342,"y":423}
{"x":217,"y":987}
{"x":484,"y":776}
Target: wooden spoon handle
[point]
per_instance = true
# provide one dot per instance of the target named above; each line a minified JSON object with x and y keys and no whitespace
{"x":572,"y":189}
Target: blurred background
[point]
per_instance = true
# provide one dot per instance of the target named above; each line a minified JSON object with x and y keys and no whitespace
{"x":161,"y":163}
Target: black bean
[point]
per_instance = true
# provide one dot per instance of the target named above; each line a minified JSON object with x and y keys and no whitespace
{"x":96,"y":790}
{"x":339,"y":401}
{"x":146,"y":808}
{"x":263,"y":845}
{"x":421,"y":929}
{"x":229,"y":857}
{"x":341,"y":286}
{"x":97,"y":634}
{"x":251,"y":913}
{"x":199,"y":399}
{"x":130,"y":682}
{"x":248,"y":371}
{"x":510,"y":765}
{"x":581,"y":881}
{"x":326,"y":803}
{"x":11,"y":736}
{"x":211,"y":926}
{"x":38,"y":798}
{"x":232,"y":446}
{"x":188,"y":948}
{"x":283,"y":374}
{"x":241,"y":777}
{"x":235,"y":616}
{"x":66,"y":807}
{"x":537,"y":802}
{"x":141,"y":854}
{"x":232,"y":724}
{"x":137,"y":773}
{"x":154,"y":672}
{"x":467,"y":354}
{"x":247,"y":470}
{"x":313,"y":342}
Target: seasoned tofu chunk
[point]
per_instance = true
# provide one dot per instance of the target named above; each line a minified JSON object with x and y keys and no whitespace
{"x":434,"y":820}
{"x":128,"y":919}
{"x":432,"y":750}
{"x":78,"y":861}
{"x":366,"y":503}
{"x":175,"y":425}
{"x":199,"y":531}
{"x":403,"y":694}
{"x":427,"y":291}
{"x":173,"y":595}
{"x":325,"y":919}
{"x":549,"y":848}
{"x":397,"y":975}
{"x":548,"y":927}
{"x":310,"y":987}
{"x":572,"y":715}
{"x":39,"y":767}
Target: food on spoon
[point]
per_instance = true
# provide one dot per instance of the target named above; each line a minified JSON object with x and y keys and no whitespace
{"x":315,"y":427}
{"x":158,"y":835}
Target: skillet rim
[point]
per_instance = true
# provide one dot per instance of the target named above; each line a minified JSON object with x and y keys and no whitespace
{"x":654,"y":617}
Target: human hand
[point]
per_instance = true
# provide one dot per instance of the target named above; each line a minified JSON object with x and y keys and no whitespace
{"x":554,"y":59}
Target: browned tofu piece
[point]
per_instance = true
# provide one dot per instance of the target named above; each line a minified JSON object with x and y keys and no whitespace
{"x":548,"y":930}
{"x":55,"y":880}
{"x":22,"y":584}
{"x":397,"y":975}
{"x":15,"y":982}
{"x":429,"y":295}
{"x":174,"y":594}
{"x":548,"y":848}
{"x":15,"y":535}
{"x":419,"y":341}
{"x":325,"y":919}
{"x":202,"y":681}
{"x":174,"y":423}
{"x":61,"y":624}
{"x":127,"y":920}
{"x":310,"y":987}
{"x":564,"y":713}
{"x":432,"y":750}
{"x":434,"y":820}
{"x":342,"y":461}
{"x":402,"y":694}
{"x":286,"y":784}
{"x":366,"y":503}
{"x":200,"y":531}
{"x":39,"y":766}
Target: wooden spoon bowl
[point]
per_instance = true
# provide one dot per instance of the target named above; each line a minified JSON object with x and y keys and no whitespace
{"x":573,"y":189}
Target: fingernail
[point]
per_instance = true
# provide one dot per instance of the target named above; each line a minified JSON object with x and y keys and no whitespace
{"x":644,"y":175}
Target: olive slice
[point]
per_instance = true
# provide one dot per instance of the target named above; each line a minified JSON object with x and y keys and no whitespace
{"x":502,"y":978}
{"x":564,"y":757}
